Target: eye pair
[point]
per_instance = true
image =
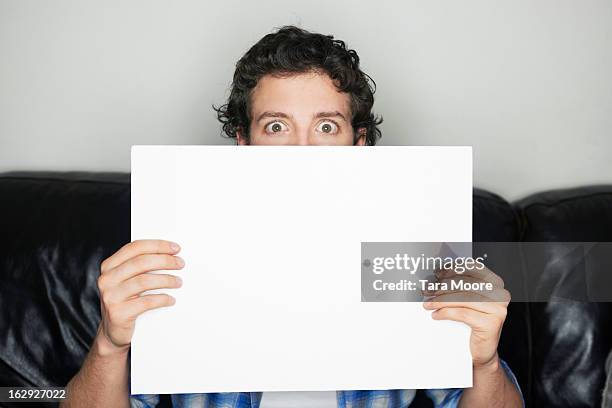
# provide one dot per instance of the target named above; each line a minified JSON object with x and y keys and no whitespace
{"x":327,"y":126}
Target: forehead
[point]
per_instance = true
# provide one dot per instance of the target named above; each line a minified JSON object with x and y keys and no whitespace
{"x":299,"y":94}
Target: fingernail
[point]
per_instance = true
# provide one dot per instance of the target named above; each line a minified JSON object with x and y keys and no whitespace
{"x":427,"y":304}
{"x":179,"y":261}
{"x":174,"y":246}
{"x":179,"y":281}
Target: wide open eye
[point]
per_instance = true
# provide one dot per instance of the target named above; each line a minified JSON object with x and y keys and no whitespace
{"x":276,"y":127}
{"x":328,"y":127}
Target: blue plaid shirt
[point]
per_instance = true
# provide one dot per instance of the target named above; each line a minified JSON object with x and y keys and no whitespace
{"x":442,"y":398}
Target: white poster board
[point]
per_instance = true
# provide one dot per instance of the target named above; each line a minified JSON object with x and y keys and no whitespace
{"x":271,"y":288}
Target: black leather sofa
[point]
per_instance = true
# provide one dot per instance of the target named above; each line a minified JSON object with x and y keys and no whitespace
{"x":58,"y":227}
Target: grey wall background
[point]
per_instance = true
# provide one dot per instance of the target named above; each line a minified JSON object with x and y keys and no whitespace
{"x":527,"y":83}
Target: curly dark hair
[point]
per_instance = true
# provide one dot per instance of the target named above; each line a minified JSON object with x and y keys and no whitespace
{"x":292,"y":50}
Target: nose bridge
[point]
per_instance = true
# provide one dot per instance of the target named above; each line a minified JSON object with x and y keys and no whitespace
{"x":302,"y":135}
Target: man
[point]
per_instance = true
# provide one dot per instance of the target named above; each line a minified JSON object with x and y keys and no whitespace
{"x":291,"y":88}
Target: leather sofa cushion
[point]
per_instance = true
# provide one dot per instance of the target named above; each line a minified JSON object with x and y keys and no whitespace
{"x":570,"y":339}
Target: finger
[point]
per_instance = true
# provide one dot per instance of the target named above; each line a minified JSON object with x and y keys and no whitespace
{"x":138,"y":247}
{"x":476,"y":320}
{"x":484,"y":274}
{"x":450,"y":300}
{"x":448,"y":283}
{"x":465,"y":285}
{"x":135,"y":307}
{"x":141,"y":283}
{"x":144,"y":263}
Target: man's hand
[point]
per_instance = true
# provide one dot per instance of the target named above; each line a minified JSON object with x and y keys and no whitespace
{"x":102,"y":381}
{"x":484,"y":310}
{"x":122,"y":281}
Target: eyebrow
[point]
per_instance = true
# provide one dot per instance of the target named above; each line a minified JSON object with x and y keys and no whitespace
{"x":271,"y":114}
{"x":332,"y":114}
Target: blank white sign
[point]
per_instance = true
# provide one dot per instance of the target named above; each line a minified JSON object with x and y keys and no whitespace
{"x":271,"y":237}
